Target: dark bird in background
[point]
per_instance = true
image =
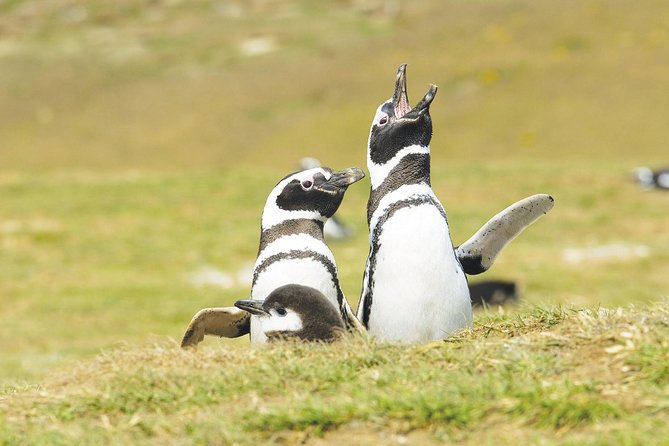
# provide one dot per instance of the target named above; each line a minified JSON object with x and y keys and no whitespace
{"x":490,"y":293}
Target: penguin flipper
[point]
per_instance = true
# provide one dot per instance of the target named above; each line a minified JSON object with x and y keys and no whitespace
{"x":477,"y":254}
{"x":228,"y":322}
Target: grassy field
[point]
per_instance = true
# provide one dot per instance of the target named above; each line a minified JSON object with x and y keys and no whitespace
{"x":138,"y":142}
{"x":545,"y":376}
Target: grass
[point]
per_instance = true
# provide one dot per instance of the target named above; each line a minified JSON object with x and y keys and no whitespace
{"x":139,"y":142}
{"x":586,"y":376}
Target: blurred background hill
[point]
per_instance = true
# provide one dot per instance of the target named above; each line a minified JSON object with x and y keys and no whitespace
{"x":139,"y":139}
{"x":167,"y":83}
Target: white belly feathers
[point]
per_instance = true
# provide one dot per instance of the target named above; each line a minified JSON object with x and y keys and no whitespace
{"x":420,"y":292}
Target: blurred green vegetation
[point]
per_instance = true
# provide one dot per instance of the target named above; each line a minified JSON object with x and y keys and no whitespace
{"x":139,"y":139}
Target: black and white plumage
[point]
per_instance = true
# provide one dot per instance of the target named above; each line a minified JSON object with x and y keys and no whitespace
{"x":652,"y":179}
{"x":488,"y":293}
{"x":292,"y":250}
{"x":335,"y":228}
{"x":414,"y":287}
{"x":295,"y":312}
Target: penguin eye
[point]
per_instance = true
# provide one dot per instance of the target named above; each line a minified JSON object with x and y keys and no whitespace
{"x":307,"y":184}
{"x":281,"y":311}
{"x":383,"y":120}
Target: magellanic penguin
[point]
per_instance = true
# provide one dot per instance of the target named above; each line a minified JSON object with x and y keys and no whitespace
{"x":296,"y":312}
{"x":652,"y":179}
{"x":414,"y":286}
{"x":488,"y":293}
{"x":335,"y":228}
{"x":292,"y":251}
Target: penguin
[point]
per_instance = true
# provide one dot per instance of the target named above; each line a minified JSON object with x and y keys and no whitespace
{"x":414,"y":285}
{"x":652,"y":179}
{"x":296,"y":312}
{"x":490,"y":293}
{"x":414,"y":289}
{"x":292,"y":250}
{"x":335,"y":228}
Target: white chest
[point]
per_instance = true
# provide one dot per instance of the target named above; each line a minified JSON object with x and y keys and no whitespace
{"x":312,"y":266}
{"x":419,"y":291}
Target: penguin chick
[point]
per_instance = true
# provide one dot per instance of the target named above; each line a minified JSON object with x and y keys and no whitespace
{"x":296,"y":312}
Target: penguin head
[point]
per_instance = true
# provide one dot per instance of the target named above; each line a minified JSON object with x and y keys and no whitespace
{"x":313,"y":194}
{"x":397,"y":126}
{"x":296,"y":312}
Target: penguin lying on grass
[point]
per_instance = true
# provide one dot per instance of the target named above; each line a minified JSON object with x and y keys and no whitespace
{"x":296,"y":312}
{"x":493,"y":293}
{"x":414,"y":286}
{"x":292,"y":251}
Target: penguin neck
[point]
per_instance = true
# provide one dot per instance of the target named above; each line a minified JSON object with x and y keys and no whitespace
{"x":313,"y":228}
{"x":381,"y":172}
{"x":411,"y":168}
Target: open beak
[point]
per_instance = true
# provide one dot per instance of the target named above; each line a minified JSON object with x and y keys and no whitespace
{"x":401,"y":99}
{"x":340,"y":180}
{"x":252,"y":306}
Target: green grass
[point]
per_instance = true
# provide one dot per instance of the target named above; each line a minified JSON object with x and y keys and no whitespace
{"x":138,"y":144}
{"x":590,"y":376}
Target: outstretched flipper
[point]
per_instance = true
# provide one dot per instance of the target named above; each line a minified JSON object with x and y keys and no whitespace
{"x":228,"y":322}
{"x":479,"y":252}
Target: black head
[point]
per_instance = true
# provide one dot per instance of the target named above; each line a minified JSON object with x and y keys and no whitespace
{"x":396,"y":125}
{"x":313,"y":194}
{"x":296,"y":311}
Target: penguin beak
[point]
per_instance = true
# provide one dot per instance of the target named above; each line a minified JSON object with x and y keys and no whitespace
{"x":401,"y":99}
{"x":424,"y":103}
{"x":252,"y":306}
{"x":340,"y":180}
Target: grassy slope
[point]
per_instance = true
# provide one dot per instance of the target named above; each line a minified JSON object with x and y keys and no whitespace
{"x":561,"y":375}
{"x":138,"y":144}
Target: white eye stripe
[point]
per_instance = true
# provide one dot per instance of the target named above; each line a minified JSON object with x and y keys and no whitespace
{"x":311,"y":173}
{"x":290,"y":322}
{"x":273,"y":215}
{"x":379,"y":113}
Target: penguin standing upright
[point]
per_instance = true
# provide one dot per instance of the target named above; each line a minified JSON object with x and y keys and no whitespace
{"x":292,"y":251}
{"x":414,"y":286}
